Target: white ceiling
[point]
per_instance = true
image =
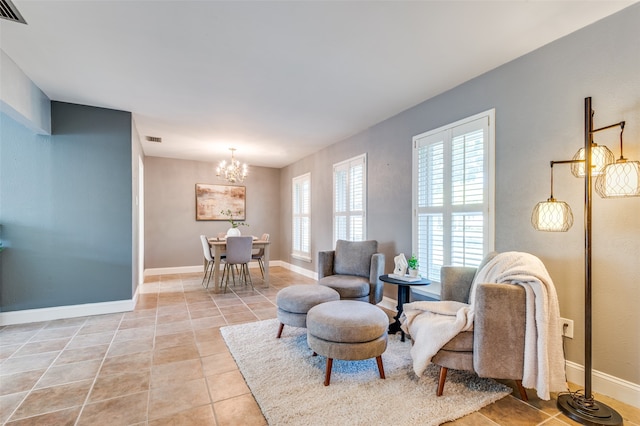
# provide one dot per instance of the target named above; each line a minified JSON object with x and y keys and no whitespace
{"x":278,"y":80}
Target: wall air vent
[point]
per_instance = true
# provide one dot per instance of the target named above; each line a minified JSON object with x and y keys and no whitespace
{"x":154,"y":139}
{"x":10,"y":12}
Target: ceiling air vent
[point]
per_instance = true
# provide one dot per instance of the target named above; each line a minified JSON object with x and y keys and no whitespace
{"x":10,"y":12}
{"x":154,"y":139}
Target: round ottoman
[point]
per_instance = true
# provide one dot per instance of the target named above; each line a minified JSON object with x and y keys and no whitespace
{"x":295,"y":301}
{"x":347,"y":330}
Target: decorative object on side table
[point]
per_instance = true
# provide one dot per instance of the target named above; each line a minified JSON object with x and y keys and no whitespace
{"x":401,"y":265}
{"x":405,"y":270}
{"x":413,"y":266}
{"x":233,"y":231}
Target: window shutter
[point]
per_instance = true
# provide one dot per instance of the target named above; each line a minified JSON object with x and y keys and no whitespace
{"x":452,"y":192}
{"x":349,"y":200}
{"x":301,"y":227}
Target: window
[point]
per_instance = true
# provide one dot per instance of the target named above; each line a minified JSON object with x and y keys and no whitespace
{"x":349,"y":199}
{"x":301,"y":234}
{"x":453,"y":181}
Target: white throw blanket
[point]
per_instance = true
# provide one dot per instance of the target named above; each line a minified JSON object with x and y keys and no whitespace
{"x":433,"y":324}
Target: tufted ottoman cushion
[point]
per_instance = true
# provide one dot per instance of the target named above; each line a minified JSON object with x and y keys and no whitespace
{"x":295,"y":301}
{"x":347,"y":330}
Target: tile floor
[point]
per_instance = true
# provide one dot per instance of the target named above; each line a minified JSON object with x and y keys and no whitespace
{"x":165,"y":363}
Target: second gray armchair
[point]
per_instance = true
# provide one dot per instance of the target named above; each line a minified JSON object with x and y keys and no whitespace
{"x":353,"y":270}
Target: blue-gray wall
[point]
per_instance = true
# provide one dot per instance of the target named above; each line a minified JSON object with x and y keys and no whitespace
{"x":66,"y":209}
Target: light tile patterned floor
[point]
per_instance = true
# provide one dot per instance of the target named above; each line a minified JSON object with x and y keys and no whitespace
{"x":166,"y":363}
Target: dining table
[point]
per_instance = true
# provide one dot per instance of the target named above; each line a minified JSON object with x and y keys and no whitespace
{"x":219,"y":246}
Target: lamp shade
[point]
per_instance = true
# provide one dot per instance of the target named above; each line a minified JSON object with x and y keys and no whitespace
{"x":552,"y":216}
{"x":619,"y":180}
{"x":600,"y":157}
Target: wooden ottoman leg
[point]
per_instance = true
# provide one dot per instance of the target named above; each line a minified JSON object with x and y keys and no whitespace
{"x":380,"y":367}
{"x":327,"y":374}
{"x":280,"y":330}
{"x":443,"y":377}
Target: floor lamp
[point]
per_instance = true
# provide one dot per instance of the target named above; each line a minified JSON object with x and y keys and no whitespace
{"x":614,"y":179}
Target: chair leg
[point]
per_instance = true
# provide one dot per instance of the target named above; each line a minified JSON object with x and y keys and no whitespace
{"x":280,"y":330}
{"x":247,"y":275}
{"x":380,"y":366}
{"x":233,"y":274}
{"x":442,"y":378}
{"x":261,"y":265}
{"x":225,"y":271}
{"x":206,"y":270}
{"x":327,"y":374}
{"x":210,"y":273}
{"x":523,"y":391}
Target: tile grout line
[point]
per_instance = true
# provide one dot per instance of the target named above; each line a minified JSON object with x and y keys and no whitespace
{"x":206,"y":382}
{"x":153,"y":348}
{"x":95,"y":378}
{"x":45,"y":371}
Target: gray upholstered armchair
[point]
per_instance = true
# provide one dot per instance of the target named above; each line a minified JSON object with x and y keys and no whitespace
{"x":495,"y":346}
{"x":353,"y":270}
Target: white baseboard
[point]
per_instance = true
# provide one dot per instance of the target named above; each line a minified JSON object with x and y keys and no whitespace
{"x":71,"y":311}
{"x":196,"y":269}
{"x":298,"y":270}
{"x":173,"y":270}
{"x":252,"y":265}
{"x":605,"y":384}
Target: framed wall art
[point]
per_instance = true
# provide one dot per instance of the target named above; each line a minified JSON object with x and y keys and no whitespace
{"x":212,"y":200}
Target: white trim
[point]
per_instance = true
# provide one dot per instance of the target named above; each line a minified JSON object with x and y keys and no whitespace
{"x":173,"y":270}
{"x":605,"y":384}
{"x":432,"y":290}
{"x":301,"y":257}
{"x":197,"y":269}
{"x":70,"y":311}
{"x":298,"y":270}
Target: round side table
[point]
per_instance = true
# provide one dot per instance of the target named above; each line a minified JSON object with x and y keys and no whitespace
{"x":404,"y":292}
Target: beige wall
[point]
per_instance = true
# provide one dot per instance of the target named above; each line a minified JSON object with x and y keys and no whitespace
{"x":171,"y":230}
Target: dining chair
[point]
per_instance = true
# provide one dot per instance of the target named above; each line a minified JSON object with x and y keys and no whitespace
{"x":259,"y":254}
{"x":209,"y":261}
{"x":238,"y":254}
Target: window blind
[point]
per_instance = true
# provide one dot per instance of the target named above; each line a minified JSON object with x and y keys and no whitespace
{"x":301,"y":208}
{"x":349,"y":199}
{"x":453,"y":191}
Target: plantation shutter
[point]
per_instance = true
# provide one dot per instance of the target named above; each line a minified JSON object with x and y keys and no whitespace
{"x":452,"y":194}
{"x":349,"y":201}
{"x":301,"y":208}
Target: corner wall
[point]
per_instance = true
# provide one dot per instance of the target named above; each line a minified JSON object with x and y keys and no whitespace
{"x":66,"y":209}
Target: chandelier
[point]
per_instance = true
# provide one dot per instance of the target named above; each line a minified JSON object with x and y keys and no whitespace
{"x":233,"y":171}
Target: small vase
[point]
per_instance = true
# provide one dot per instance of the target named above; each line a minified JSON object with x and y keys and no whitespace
{"x":413,"y":273}
{"x":233,"y":232}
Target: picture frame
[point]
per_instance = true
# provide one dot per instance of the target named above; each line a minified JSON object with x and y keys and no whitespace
{"x":212,"y":199}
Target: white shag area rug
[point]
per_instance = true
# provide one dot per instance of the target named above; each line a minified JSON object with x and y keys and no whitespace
{"x":287,"y":382}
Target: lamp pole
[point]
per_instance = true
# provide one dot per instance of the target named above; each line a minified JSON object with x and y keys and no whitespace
{"x":584,"y":408}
